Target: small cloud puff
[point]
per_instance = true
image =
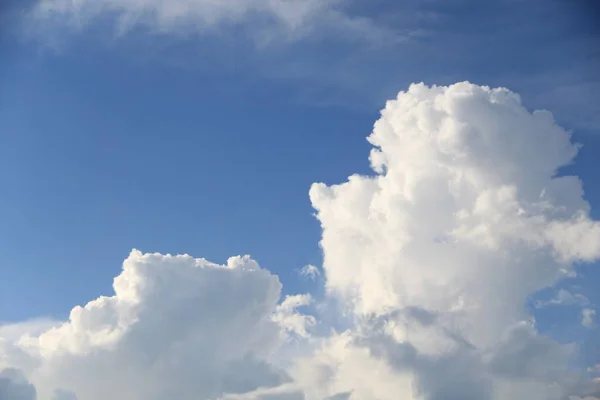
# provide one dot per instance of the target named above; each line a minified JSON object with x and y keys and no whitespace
{"x":310,"y":271}
{"x":587,"y":317}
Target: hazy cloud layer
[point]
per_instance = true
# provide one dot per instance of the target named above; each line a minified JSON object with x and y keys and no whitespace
{"x":267,"y":21}
{"x":588,"y":316}
{"x":432,"y":258}
{"x":14,"y":386}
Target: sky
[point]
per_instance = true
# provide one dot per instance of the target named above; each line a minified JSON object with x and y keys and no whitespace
{"x":299,"y":199}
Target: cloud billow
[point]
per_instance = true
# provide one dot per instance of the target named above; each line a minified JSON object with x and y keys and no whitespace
{"x":432,"y":258}
{"x":465,"y":218}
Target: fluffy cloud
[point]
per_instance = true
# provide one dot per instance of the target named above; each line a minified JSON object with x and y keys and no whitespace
{"x":176,"y":327}
{"x":465,"y":205}
{"x":291,"y":321}
{"x":464,"y":219}
{"x":432,"y":259}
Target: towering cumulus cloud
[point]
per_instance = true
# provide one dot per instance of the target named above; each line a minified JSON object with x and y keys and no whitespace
{"x":437,"y":253}
{"x":432,"y":258}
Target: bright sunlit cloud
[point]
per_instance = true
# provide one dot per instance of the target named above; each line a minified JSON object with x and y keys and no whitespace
{"x":433,"y":257}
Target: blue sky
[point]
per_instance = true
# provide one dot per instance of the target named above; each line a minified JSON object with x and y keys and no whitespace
{"x":207,"y":143}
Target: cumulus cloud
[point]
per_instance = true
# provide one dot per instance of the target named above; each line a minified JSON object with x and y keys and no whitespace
{"x":175,"y":327}
{"x":464,"y":219}
{"x":432,"y":259}
{"x":290,"y":320}
{"x":14,"y":331}
{"x":465,"y":200}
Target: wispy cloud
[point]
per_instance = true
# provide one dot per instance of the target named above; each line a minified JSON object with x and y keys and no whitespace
{"x":310,"y":271}
{"x":266,"y":21}
{"x":564,"y":298}
{"x":287,"y":391}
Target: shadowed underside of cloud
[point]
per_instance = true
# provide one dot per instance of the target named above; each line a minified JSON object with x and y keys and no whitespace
{"x":433,"y":257}
{"x":14,"y":386}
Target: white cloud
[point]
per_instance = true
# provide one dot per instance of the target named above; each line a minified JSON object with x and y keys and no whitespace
{"x":587,"y":317}
{"x":310,"y":271}
{"x":13,"y":331}
{"x":267,"y":20}
{"x":432,"y":259}
{"x":466,"y":202}
{"x":564,"y":298}
{"x":176,"y":327}
{"x":291,"y":321}
{"x":464,"y":220}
